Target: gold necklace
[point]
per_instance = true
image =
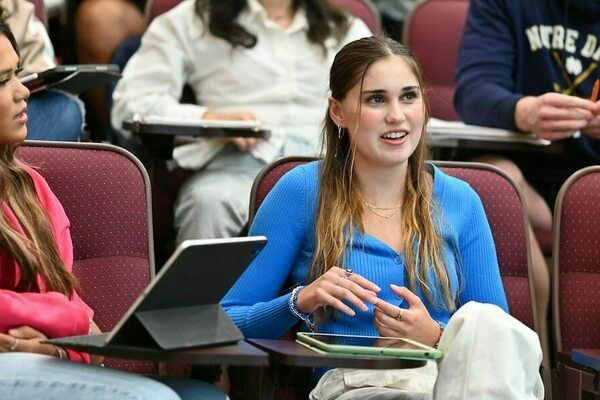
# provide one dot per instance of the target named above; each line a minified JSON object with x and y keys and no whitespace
{"x":372,"y":208}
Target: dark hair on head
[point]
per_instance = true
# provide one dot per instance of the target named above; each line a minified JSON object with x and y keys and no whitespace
{"x":220,"y":16}
{"x":6,"y":32}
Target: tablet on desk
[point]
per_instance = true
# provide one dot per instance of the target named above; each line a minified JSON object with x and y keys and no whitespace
{"x":180,"y":307}
{"x":357,"y":345}
{"x":204,"y":123}
{"x":75,"y":79}
{"x":161,"y":125}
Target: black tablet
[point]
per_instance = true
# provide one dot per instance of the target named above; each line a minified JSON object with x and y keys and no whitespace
{"x":74,"y":79}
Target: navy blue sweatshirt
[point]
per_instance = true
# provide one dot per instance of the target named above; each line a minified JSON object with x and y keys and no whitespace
{"x":516,"y":48}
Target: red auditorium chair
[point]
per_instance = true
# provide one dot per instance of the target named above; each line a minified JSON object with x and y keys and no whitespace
{"x":503,"y":204}
{"x":576,"y":282}
{"x":105,"y":192}
{"x":363,"y":9}
{"x":437,"y":51}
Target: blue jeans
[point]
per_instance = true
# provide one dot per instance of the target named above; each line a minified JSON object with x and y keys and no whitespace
{"x":54,"y":115}
{"x":34,"y":376}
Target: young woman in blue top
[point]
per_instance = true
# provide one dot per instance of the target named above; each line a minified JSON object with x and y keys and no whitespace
{"x":373,"y":240}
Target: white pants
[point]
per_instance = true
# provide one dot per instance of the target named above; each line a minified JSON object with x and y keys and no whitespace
{"x":487,"y":355}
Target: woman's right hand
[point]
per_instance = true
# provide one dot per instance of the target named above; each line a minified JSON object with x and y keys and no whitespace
{"x":242,"y":143}
{"x":333,"y":288}
{"x":26,"y":339}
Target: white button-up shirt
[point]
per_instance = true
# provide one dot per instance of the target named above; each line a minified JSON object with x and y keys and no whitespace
{"x":282,"y":80}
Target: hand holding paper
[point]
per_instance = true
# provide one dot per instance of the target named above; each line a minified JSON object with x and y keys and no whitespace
{"x":242,"y":143}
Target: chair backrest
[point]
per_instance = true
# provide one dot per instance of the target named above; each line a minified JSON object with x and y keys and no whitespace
{"x":154,"y":8}
{"x":433,"y":30}
{"x":503,"y":204}
{"x":363,"y":9}
{"x":504,"y":207}
{"x":576,"y":276}
{"x":105,"y":192}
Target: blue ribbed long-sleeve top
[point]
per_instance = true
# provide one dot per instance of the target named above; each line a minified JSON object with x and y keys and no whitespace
{"x":287,"y":219}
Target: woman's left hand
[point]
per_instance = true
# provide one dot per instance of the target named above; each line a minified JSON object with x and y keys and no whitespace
{"x":25,"y":339}
{"x":414,"y":322}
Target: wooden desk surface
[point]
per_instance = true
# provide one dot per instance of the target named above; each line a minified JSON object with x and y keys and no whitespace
{"x":588,"y":357}
{"x":240,"y":354}
{"x":490,"y":145}
{"x":456,"y":134}
{"x":146,"y":129}
{"x":290,"y":353}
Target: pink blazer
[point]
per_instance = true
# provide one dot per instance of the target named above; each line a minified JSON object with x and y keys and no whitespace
{"x":52,"y":313}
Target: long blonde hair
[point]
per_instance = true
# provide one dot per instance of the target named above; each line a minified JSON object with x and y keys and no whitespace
{"x":339,"y":207}
{"x":35,"y":253}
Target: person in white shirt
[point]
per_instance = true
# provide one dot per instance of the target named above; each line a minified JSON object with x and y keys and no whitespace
{"x":265,"y":60}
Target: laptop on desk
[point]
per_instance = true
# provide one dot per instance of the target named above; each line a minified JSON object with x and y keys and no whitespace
{"x":180,"y":307}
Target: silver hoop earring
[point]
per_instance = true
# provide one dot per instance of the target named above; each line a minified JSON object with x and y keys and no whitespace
{"x":340,"y":132}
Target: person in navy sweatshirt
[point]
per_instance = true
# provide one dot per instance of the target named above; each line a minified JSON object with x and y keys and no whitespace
{"x":531,"y":67}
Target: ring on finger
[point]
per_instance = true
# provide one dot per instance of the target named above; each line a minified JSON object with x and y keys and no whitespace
{"x":348,"y":272}
{"x":399,"y":316}
{"x":14,"y":346}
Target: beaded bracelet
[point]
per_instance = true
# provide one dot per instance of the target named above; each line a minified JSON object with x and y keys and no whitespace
{"x":437,"y":343}
{"x":293,"y":304}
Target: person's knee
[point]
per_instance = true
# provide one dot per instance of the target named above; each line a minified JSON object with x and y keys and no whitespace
{"x":121,"y":15}
{"x":67,"y":106}
{"x":487,"y":318}
{"x":507,"y":166}
{"x":30,"y":375}
{"x":211,"y":201}
{"x":483,"y":313}
{"x":101,"y":25}
{"x":210,"y":210}
{"x":55,"y":115}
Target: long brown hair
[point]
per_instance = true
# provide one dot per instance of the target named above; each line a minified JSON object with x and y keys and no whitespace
{"x":36,"y":252}
{"x":339,"y":208}
{"x":220,"y":16}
